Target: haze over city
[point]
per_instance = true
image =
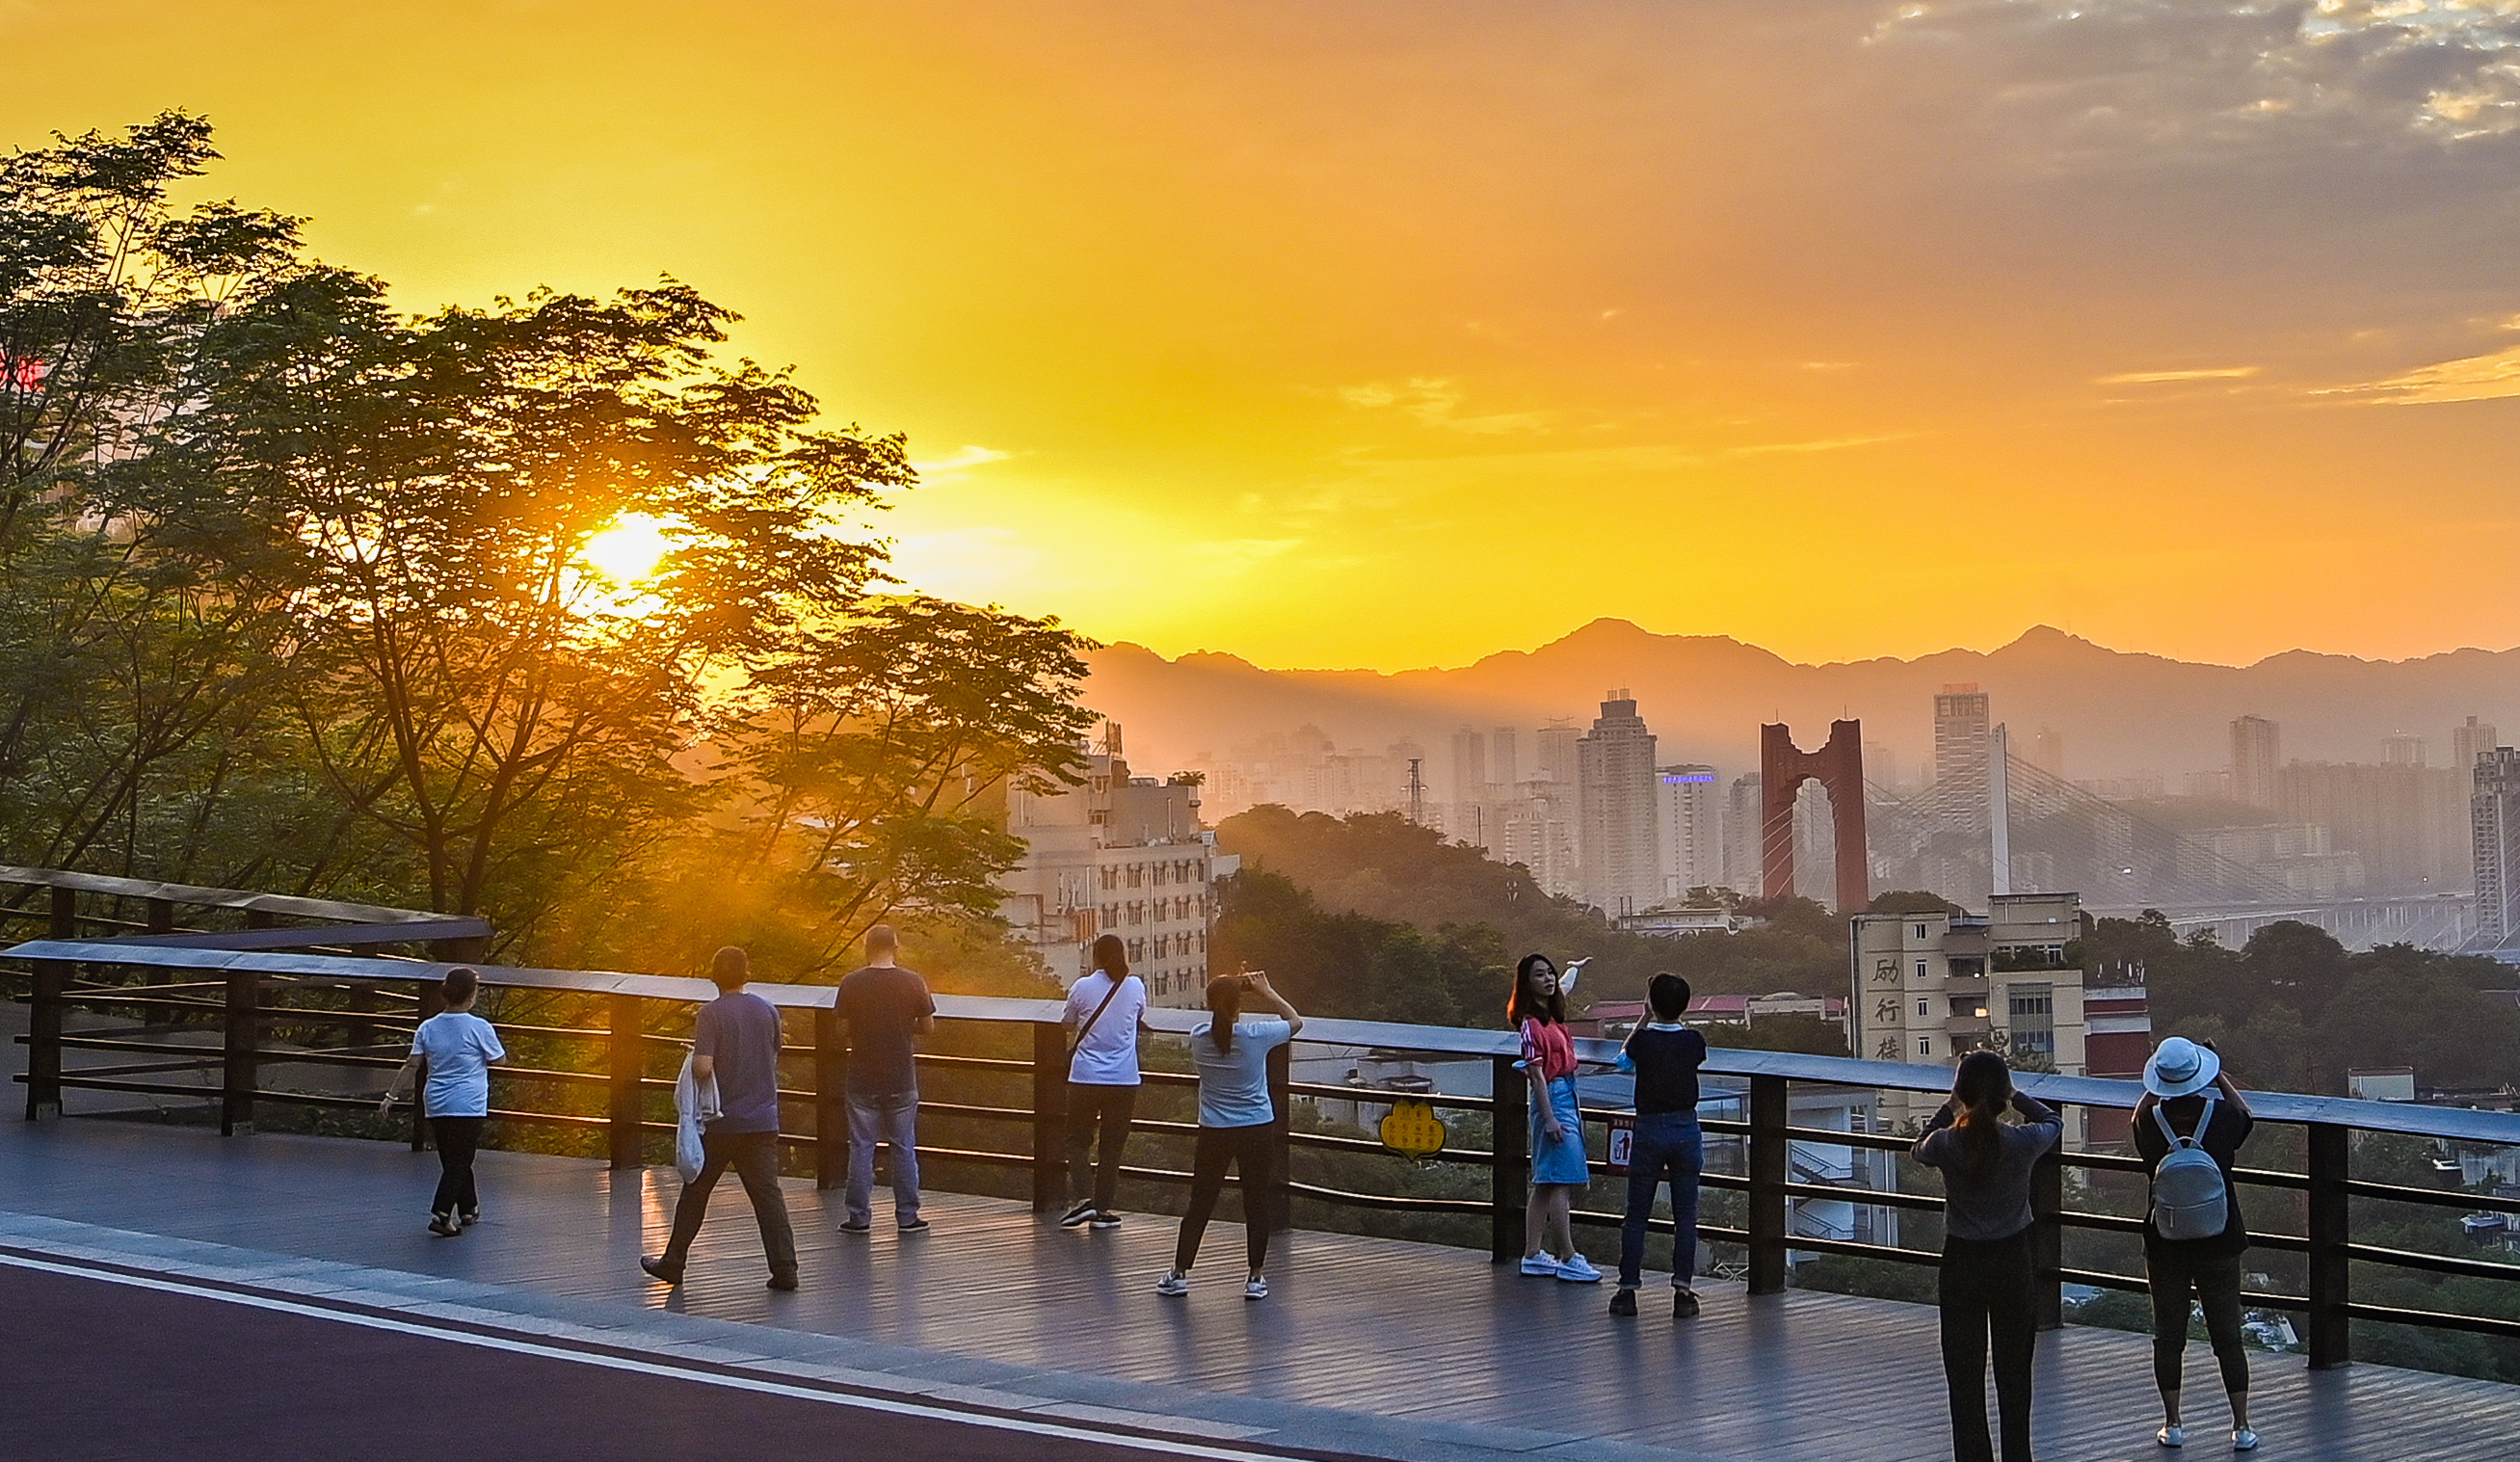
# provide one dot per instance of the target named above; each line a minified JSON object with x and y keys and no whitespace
{"x":1387,"y":337}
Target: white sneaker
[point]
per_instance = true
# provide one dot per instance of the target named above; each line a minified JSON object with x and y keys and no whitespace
{"x":1172,"y":1284}
{"x":1255,"y":1288}
{"x":2243,"y":1440}
{"x":2171,"y":1437}
{"x":1578,"y":1269}
{"x":1540,"y":1266}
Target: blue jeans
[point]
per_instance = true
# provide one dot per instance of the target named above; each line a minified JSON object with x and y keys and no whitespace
{"x":890,"y":1118}
{"x":1668,"y":1145}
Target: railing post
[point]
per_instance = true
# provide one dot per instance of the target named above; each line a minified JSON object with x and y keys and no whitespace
{"x":161,"y":920}
{"x":1049,"y":1116}
{"x":44,"y":1039}
{"x":238,"y":1072}
{"x":1766,"y":1196}
{"x":1509,"y":1180}
{"x":432,"y":999}
{"x":2048,"y":1238}
{"x":2330,"y":1229}
{"x":1275,"y":1198}
{"x":65,"y":913}
{"x":830,"y":1099}
{"x":628,"y":1050}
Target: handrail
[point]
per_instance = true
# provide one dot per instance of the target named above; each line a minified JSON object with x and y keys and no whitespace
{"x":1752,"y":1087}
{"x":218,"y":898}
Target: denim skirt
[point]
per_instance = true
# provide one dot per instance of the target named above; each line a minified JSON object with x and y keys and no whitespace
{"x":1560,"y":1162}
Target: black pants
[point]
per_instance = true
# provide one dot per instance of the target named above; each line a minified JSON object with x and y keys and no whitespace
{"x":2216,"y":1286}
{"x":1091,"y":1109}
{"x":1986,"y":1295}
{"x":458,"y":1139}
{"x":1247,"y":1149}
{"x":754,"y":1157}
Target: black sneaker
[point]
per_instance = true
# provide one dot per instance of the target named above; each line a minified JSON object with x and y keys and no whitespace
{"x":914,"y":1226}
{"x":659,"y":1269}
{"x":852,"y":1226}
{"x":1106,"y":1219}
{"x":1077,"y":1216}
{"x":1684,"y":1304}
{"x":1624,"y":1304}
{"x":468,"y":1219}
{"x":783,"y":1279}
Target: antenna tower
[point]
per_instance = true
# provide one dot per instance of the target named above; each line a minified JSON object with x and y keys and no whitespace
{"x":1416,"y":792}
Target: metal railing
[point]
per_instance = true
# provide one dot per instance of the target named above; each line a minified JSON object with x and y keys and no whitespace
{"x":247,"y":989}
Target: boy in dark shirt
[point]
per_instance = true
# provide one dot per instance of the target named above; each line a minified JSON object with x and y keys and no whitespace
{"x":883,"y":1006}
{"x":1665,"y":1056}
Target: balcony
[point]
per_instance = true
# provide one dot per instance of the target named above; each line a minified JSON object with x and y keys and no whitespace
{"x":1966,"y":1026}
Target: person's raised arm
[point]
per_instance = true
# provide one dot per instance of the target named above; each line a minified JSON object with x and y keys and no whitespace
{"x":2231,"y":1088}
{"x":1261,"y":987}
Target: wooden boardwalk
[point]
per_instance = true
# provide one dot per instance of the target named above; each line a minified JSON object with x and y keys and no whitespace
{"x":1423,"y":1335}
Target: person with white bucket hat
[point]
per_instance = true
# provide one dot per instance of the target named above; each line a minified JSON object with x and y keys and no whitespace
{"x":2188,"y":1128}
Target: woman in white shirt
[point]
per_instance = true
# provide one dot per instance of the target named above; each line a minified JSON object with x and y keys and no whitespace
{"x":1105,"y":1008}
{"x":459,"y":1047}
{"x":1234,"y":1116}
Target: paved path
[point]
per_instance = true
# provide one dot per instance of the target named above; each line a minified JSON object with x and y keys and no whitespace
{"x":1366,"y":1347}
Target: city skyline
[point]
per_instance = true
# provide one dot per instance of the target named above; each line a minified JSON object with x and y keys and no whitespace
{"x":1291,"y":311}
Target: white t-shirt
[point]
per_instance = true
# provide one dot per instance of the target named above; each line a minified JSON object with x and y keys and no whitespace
{"x":1107,"y":1056}
{"x":460,"y":1046}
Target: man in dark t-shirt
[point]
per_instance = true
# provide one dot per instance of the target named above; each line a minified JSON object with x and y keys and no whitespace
{"x":882,"y":1006}
{"x":736,"y":1044}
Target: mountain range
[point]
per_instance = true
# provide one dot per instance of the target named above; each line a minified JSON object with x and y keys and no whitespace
{"x":1706,"y":696}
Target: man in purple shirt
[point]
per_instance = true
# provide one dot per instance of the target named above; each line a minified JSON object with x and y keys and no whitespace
{"x":736,"y":1043}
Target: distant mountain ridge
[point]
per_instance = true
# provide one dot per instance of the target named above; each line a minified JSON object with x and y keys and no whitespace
{"x":1705,"y":697}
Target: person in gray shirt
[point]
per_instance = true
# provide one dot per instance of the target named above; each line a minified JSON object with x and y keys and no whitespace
{"x":1985,"y":1286}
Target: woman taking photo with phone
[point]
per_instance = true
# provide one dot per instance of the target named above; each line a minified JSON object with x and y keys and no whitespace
{"x":1985,"y":1288}
{"x":2189,"y":1129}
{"x":1235,"y":1114}
{"x":1559,"y":1167}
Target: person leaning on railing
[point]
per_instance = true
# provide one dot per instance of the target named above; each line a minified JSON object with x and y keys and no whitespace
{"x":1234,"y":1116}
{"x":2190,"y":1105}
{"x":459,"y":1047}
{"x":1985,"y":1286}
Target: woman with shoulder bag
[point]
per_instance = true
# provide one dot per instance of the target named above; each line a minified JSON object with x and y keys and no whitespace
{"x":1106,"y":1008}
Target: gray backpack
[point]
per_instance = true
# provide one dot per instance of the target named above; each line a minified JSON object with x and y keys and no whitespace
{"x":2189,"y":1198}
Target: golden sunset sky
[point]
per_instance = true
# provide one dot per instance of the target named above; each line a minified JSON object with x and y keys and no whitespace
{"x":1391,"y":334}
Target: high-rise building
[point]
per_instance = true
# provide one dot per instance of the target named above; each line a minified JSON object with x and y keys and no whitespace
{"x":1558,"y":756}
{"x":2257,"y":749}
{"x":2401,"y":750}
{"x":2469,"y":741}
{"x":1507,"y":769}
{"x":2047,"y":752}
{"x":2406,"y":822}
{"x":2494,"y":814}
{"x":1616,"y":841}
{"x":1961,"y":727}
{"x":1741,"y":813}
{"x":1466,"y":811}
{"x":1687,"y":811}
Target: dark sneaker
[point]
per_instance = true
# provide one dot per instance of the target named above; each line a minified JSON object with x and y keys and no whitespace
{"x":916,"y":1226}
{"x":1078,"y":1217}
{"x":783,"y":1279}
{"x":1106,"y":1219}
{"x":661,"y":1270}
{"x":852,"y":1226}
{"x":470,"y":1218}
{"x":1624,"y":1304}
{"x":1684,"y":1304}
{"x":444,"y":1225}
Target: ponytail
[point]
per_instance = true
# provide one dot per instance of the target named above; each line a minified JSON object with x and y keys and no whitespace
{"x":1225,"y":1003}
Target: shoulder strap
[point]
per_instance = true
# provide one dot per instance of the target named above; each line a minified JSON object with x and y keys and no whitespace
{"x":1087,"y":1029}
{"x":2204,"y":1119}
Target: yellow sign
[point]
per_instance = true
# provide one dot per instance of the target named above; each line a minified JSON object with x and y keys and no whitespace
{"x":1413,"y":1128}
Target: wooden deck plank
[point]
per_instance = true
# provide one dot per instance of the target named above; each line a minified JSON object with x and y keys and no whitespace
{"x":1359,"y":1323}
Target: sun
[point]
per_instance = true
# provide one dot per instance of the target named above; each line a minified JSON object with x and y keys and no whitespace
{"x":629,"y":551}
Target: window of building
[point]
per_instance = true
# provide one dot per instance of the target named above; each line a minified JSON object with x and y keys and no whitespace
{"x":1163,"y":946}
{"x":1137,"y":875}
{"x":1920,"y":1007}
{"x":1136,"y":950}
{"x":1158,"y":872}
{"x":1110,"y":876}
{"x":1921,"y":930}
{"x":1920,"y":969}
{"x":2033,"y":1008}
{"x":1137,"y":911}
{"x":1924,"y":1046}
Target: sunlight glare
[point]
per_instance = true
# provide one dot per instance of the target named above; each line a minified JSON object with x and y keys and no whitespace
{"x":629,"y":551}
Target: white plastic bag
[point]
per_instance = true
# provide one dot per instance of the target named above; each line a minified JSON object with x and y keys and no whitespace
{"x":695,"y":1103}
